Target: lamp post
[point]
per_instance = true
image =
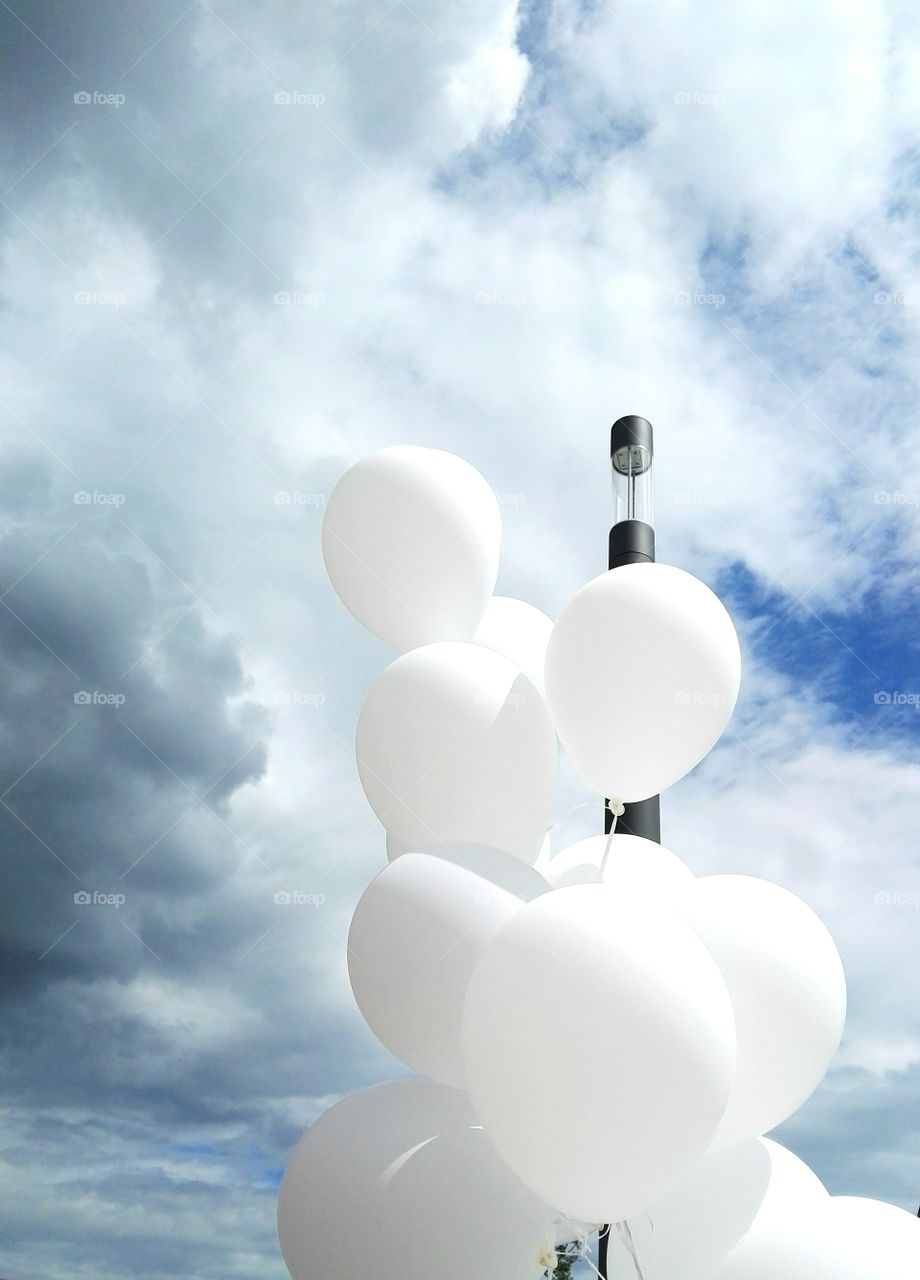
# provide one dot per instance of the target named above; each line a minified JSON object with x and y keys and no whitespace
{"x":631,"y":541}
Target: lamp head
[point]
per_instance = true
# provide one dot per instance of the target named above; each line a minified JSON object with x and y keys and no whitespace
{"x":631,"y":455}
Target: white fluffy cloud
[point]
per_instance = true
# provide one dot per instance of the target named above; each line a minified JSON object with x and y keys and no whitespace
{"x":490,"y":231}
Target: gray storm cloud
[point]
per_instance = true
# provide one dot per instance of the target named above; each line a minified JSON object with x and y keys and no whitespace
{"x":241,"y":247}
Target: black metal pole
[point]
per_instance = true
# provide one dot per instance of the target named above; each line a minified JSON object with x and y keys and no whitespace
{"x":631,"y":541}
{"x":603,"y":1241}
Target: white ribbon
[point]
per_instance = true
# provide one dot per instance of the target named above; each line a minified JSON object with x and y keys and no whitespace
{"x":629,"y":1244}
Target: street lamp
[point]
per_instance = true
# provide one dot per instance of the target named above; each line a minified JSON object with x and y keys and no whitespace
{"x":631,"y":541}
{"x":631,"y":456}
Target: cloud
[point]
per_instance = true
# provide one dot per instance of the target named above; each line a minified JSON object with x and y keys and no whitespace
{"x":309,"y":232}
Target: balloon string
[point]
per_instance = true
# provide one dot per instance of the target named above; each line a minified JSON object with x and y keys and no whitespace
{"x":616,"y":810}
{"x":582,"y":804}
{"x":583,"y":1257}
{"x":623,"y":1228}
{"x":581,"y":1243}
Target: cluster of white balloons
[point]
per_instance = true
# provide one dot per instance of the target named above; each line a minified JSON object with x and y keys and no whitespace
{"x":606,"y":1037}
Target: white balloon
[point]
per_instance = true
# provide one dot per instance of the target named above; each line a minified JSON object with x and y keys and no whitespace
{"x":396,"y":847}
{"x":416,"y":935}
{"x":543,"y":857}
{"x":411,"y":540}
{"x":454,"y":744}
{"x":795,"y":1189}
{"x":598,"y":1040}
{"x":788,"y":991}
{"x":642,"y":674}
{"x":846,"y":1239}
{"x":395,"y":1182}
{"x":634,"y":865}
{"x":728,"y":1195}
{"x":495,"y":865}
{"x":519,"y":631}
{"x":886,"y":1237}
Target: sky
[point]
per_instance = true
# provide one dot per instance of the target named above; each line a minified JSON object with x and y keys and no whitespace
{"x":244,"y":246}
